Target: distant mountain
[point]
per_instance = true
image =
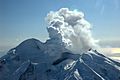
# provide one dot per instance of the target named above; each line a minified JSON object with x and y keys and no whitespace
{"x":34,"y":60}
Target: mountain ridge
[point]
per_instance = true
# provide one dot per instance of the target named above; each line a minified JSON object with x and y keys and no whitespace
{"x":34,"y":60}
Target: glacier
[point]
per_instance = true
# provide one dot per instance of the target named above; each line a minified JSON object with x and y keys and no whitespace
{"x":70,"y":53}
{"x":34,"y":60}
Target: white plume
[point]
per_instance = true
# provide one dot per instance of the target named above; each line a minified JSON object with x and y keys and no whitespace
{"x":70,"y":29}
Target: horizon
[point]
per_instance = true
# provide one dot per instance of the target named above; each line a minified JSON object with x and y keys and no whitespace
{"x":24,"y":19}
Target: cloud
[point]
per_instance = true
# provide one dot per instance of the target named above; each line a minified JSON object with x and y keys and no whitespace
{"x":111,"y":43}
{"x":71,"y":29}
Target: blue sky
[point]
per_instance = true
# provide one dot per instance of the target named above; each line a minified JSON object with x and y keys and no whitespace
{"x":22,"y":19}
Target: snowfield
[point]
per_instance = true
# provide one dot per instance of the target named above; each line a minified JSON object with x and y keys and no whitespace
{"x":34,"y":60}
{"x":68,"y":55}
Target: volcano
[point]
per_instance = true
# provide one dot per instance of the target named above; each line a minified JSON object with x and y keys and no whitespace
{"x":68,"y":54}
{"x":34,"y":60}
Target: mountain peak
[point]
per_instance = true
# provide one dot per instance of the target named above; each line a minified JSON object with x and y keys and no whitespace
{"x":34,"y":60}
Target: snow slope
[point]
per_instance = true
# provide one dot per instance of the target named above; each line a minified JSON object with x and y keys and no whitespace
{"x":34,"y":60}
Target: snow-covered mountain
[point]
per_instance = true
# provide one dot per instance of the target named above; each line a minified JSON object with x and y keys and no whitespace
{"x":34,"y":60}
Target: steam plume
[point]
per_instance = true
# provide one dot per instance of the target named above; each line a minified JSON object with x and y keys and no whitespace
{"x":70,"y":29}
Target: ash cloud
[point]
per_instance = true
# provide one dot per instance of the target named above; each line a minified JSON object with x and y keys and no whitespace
{"x":71,"y":29}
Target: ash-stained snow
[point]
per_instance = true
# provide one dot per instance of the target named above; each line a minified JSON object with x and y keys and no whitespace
{"x":30,"y":61}
{"x":56,"y":59}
